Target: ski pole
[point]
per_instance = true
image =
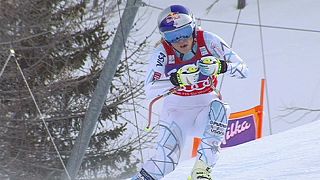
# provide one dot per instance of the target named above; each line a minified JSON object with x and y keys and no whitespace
{"x":170,"y":91}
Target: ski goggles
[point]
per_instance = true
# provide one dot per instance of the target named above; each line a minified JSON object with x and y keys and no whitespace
{"x":176,"y":35}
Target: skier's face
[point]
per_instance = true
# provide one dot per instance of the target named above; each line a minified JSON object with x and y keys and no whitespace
{"x":183,"y":45}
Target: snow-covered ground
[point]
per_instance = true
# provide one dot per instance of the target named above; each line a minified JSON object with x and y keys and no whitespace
{"x":292,"y":155}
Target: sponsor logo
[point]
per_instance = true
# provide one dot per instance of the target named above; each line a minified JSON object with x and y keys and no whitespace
{"x":237,"y":128}
{"x":171,"y":59}
{"x":160,"y":59}
{"x":171,"y":17}
{"x":156,"y":76}
{"x":198,"y":86}
{"x":218,"y":128}
{"x":203,"y":51}
{"x":202,"y":87}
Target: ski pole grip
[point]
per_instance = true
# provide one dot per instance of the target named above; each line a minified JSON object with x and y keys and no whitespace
{"x":148,"y":129}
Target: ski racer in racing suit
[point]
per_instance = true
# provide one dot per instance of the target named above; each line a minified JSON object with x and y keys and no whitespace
{"x":187,"y":63}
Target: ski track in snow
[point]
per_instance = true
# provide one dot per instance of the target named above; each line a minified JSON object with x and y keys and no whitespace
{"x":293,"y":154}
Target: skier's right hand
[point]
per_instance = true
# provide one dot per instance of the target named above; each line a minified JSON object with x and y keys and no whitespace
{"x":186,"y":75}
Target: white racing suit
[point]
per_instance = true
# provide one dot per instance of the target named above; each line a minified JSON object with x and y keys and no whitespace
{"x":194,"y":110}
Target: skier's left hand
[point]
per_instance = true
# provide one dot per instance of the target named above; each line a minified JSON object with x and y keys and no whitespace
{"x":211,"y":65}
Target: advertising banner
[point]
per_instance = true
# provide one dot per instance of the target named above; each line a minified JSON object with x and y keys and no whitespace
{"x":243,"y":126}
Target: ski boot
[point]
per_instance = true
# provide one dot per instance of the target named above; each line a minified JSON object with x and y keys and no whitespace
{"x":142,"y":175}
{"x":200,"y":171}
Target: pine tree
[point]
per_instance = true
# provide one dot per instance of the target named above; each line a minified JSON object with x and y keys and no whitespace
{"x":60,"y":46}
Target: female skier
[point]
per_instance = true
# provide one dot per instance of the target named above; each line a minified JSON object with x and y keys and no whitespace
{"x":187,"y":63}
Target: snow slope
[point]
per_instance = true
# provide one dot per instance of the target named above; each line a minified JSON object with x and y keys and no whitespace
{"x":293,"y":154}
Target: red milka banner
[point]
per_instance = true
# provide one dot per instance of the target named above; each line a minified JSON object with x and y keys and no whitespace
{"x":243,"y":126}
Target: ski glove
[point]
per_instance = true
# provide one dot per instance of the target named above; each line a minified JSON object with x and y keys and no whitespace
{"x":211,"y":65}
{"x":186,"y":75}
